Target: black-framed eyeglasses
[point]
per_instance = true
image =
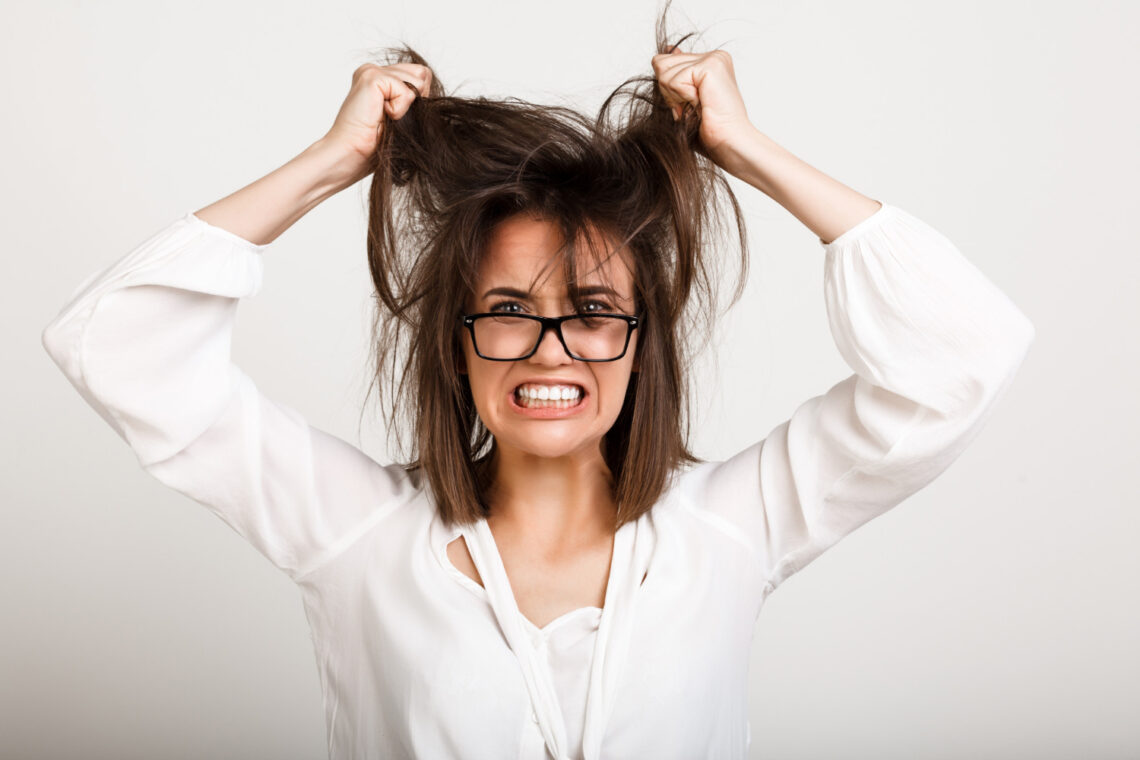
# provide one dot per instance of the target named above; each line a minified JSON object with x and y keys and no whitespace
{"x":503,"y":337}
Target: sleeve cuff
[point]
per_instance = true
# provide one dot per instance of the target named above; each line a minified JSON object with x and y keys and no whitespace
{"x":204,"y":226}
{"x":885,"y":212}
{"x":194,"y":255}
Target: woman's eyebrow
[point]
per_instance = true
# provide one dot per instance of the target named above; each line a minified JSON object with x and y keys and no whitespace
{"x":594,"y":290}
{"x":512,"y":292}
{"x":587,"y":290}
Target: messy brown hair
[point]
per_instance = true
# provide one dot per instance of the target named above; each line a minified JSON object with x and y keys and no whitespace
{"x":451,"y":169}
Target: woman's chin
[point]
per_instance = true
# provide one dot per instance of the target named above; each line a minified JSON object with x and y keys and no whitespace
{"x":548,"y":447}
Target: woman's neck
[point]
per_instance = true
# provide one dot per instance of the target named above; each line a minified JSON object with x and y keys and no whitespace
{"x":557,"y":505}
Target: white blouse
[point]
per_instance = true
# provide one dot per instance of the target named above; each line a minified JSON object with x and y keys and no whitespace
{"x":418,"y":660}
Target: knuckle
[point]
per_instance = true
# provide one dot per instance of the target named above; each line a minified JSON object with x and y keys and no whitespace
{"x":370,"y":72}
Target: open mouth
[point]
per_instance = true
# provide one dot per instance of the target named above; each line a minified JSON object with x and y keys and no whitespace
{"x":530,"y":396}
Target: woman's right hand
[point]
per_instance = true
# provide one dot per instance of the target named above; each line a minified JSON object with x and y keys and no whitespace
{"x":377,"y":93}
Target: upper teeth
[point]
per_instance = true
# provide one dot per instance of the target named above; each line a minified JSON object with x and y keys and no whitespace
{"x":548,"y":392}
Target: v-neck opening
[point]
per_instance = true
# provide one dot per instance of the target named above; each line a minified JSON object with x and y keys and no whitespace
{"x":480,"y":590}
{"x":482,"y":534}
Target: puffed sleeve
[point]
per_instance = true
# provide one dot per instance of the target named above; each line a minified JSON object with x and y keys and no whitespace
{"x":933,"y":344}
{"x":146,"y":343}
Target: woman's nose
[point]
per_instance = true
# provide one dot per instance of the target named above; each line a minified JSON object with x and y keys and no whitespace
{"x":550,"y":350}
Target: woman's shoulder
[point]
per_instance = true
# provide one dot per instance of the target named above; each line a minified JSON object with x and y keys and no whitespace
{"x":688,"y":479}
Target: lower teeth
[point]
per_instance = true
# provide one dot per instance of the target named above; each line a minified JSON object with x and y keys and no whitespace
{"x":544,"y":403}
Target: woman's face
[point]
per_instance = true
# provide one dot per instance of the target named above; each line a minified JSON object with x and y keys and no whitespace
{"x":519,"y":248}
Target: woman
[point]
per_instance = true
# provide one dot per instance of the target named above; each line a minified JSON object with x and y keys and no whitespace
{"x":547,"y":578}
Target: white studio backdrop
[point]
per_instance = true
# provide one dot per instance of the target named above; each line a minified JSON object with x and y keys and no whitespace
{"x":993,"y":614}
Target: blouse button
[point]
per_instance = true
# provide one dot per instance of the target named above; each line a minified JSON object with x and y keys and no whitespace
{"x":533,"y":716}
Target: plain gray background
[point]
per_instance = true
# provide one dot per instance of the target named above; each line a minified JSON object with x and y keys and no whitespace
{"x":991,"y":615}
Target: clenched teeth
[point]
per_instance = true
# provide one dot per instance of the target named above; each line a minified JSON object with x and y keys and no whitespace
{"x":533,"y":396}
{"x":549,"y":392}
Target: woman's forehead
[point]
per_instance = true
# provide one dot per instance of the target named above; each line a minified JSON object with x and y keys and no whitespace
{"x":522,"y":253}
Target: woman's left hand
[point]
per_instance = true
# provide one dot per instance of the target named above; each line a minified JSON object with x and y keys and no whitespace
{"x":706,"y":83}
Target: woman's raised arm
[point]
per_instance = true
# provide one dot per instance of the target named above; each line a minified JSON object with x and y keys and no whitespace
{"x":705,"y":84}
{"x":932,"y":342}
{"x":934,"y":345}
{"x":146,"y":342}
{"x":261,"y":211}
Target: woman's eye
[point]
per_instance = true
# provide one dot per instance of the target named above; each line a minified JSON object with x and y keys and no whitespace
{"x":602,"y":306}
{"x":505,"y":306}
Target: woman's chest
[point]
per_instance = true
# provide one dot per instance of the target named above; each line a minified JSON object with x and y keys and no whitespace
{"x":545,"y":589}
